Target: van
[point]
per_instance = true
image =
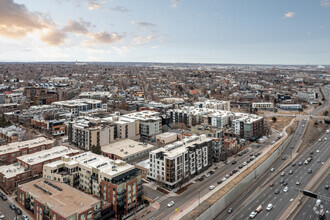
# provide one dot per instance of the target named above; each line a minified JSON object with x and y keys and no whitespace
{"x":259,"y":209}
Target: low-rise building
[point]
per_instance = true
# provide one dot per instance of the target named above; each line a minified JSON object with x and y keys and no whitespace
{"x":48,"y":199}
{"x":214,"y":104}
{"x":55,"y":127}
{"x":114,"y":181}
{"x":166,"y":138}
{"x":126,"y":150}
{"x":95,"y":95}
{"x":209,"y":131}
{"x":290,"y":106}
{"x":263,"y":105}
{"x":9,"y":152}
{"x":11,"y":133}
{"x":30,"y":166}
{"x":80,"y":105}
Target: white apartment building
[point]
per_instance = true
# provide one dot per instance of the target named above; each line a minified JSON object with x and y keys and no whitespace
{"x":214,"y":104}
{"x":181,"y":160}
{"x":80,"y":105}
{"x":263,"y":105}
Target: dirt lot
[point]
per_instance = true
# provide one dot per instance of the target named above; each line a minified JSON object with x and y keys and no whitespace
{"x":322,"y":113}
{"x":280,"y":123}
{"x":293,"y":127}
{"x":312,"y":133}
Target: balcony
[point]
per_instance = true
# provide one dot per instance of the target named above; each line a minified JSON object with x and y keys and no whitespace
{"x":121,"y":192}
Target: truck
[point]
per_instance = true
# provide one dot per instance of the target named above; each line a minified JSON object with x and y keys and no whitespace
{"x":259,"y":209}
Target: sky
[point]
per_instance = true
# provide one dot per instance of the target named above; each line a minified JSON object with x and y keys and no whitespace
{"x":174,"y":31}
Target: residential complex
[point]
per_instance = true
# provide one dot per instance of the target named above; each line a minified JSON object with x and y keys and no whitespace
{"x":214,"y":104}
{"x":80,"y":105}
{"x":248,"y":126}
{"x":114,"y":181}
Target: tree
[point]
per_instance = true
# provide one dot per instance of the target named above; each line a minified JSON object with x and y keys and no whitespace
{"x":274,"y":119}
{"x":96,"y":149}
{"x":3,"y":122}
{"x":326,"y":113}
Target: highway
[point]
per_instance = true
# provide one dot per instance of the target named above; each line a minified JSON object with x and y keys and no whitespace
{"x":305,"y":210}
{"x":256,"y":186}
{"x":282,"y":200}
{"x":200,"y":188}
{"x":326,"y":91}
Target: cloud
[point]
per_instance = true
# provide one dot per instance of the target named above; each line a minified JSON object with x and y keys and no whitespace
{"x":119,"y":9}
{"x":94,"y":4}
{"x":77,"y":27}
{"x":16,"y":21}
{"x":143,"y":40}
{"x":155,"y":47}
{"x":175,"y":3}
{"x":103,"y":37}
{"x":143,"y":24}
{"x":54,"y":37}
{"x":325,"y":3}
{"x":289,"y":14}
{"x":122,"y":50}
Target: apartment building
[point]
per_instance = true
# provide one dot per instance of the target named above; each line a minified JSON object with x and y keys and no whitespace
{"x":30,"y":166}
{"x":48,"y":199}
{"x":263,"y":105}
{"x":213,"y":104}
{"x":9,"y":152}
{"x":248,"y":126}
{"x":85,"y":132}
{"x":114,"y":181}
{"x":95,"y":95}
{"x":80,"y":105}
{"x":180,"y":161}
{"x":293,"y":107}
{"x":149,"y":123}
{"x":11,"y":133}
{"x":127,"y":150}
{"x":55,"y":127}
{"x":207,"y":130}
{"x":309,"y":97}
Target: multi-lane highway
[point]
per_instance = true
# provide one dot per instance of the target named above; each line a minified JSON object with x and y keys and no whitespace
{"x":305,"y":210}
{"x":326,"y":91}
{"x":200,"y":188}
{"x":300,"y":173}
{"x":256,"y":186}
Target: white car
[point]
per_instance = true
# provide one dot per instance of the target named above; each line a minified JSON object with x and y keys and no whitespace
{"x":320,"y":140}
{"x":317,"y":151}
{"x":227,"y":176}
{"x":224,"y":179}
{"x":253,"y":214}
{"x":211,"y":187}
{"x":170,"y":204}
{"x":325,"y":138}
{"x":244,"y":164}
{"x":269,"y":207}
{"x":25,"y":217}
{"x":2,"y":216}
{"x":286,"y":189}
{"x":272,"y":170}
{"x":207,"y":175}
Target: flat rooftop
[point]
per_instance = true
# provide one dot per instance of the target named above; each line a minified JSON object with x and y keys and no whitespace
{"x":46,"y":155}
{"x":16,"y":146}
{"x":126,"y":148}
{"x":67,"y":202}
{"x":12,"y":170}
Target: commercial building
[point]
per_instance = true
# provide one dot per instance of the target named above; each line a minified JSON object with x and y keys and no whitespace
{"x":30,"y":166}
{"x":80,"y":105}
{"x":178,"y":162}
{"x":263,"y":105}
{"x":95,"y":95}
{"x":290,"y":106}
{"x":166,"y":138}
{"x":148,"y":122}
{"x":48,"y":199}
{"x":9,"y":152}
{"x":126,"y":150}
{"x":114,"y":181}
{"x":248,"y":126}
{"x":85,"y":132}
{"x":214,"y":104}
{"x":207,"y":130}
{"x":309,"y":97}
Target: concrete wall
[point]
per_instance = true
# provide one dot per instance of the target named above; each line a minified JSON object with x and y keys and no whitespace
{"x":227,"y":199}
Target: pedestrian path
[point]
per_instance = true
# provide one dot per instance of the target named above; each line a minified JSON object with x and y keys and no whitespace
{"x":162,"y":198}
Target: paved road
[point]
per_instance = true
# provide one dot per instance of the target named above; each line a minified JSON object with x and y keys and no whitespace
{"x":305,"y":210}
{"x":326,"y":91}
{"x":282,"y":200}
{"x":256,"y":186}
{"x":201,"y":188}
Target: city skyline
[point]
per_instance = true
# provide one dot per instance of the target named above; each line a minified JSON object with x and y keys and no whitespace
{"x":170,"y":31}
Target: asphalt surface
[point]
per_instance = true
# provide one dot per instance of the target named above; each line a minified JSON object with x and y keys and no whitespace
{"x":256,"y":186}
{"x":4,"y":208}
{"x":200,"y":188}
{"x":326,"y":91}
{"x":282,"y":200}
{"x":305,"y":210}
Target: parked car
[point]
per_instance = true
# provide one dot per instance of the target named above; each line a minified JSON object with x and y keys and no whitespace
{"x":326,"y":187}
{"x":240,"y":166}
{"x":18,"y":211}
{"x":224,"y":179}
{"x":211,"y":187}
{"x":4,"y":197}
{"x":25,"y":217}
{"x":201,"y":178}
{"x":282,"y":174}
{"x":220,"y":181}
{"x":2,"y":216}
{"x":211,"y":172}
{"x":12,"y":206}
{"x":207,"y":175}
{"x":227,"y":176}
{"x":300,"y":163}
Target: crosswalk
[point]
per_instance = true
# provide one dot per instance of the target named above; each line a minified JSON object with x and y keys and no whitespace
{"x":162,"y":198}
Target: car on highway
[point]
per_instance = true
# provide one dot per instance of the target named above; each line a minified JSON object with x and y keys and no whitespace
{"x":290,"y":172}
{"x":319,"y":161}
{"x":282,"y":180}
{"x":253,"y":214}
{"x":219,"y":181}
{"x":201,"y":178}
{"x":282,"y":174}
{"x":284,"y":157}
{"x":286,"y":189}
{"x":272,"y":169}
{"x":224,"y":179}
{"x":170,"y":204}
{"x":326,"y":187}
{"x":285,"y":183}
{"x":309,"y":171}
{"x":293,"y":164}
{"x":230,"y":210}
{"x":277,"y":191}
{"x":300,"y":163}
{"x":297,"y":183}
{"x":271,"y":185}
{"x":12,"y":206}
{"x":211,"y":187}
{"x":269,"y":207}
{"x":207,"y":175}
{"x":320,"y":140}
